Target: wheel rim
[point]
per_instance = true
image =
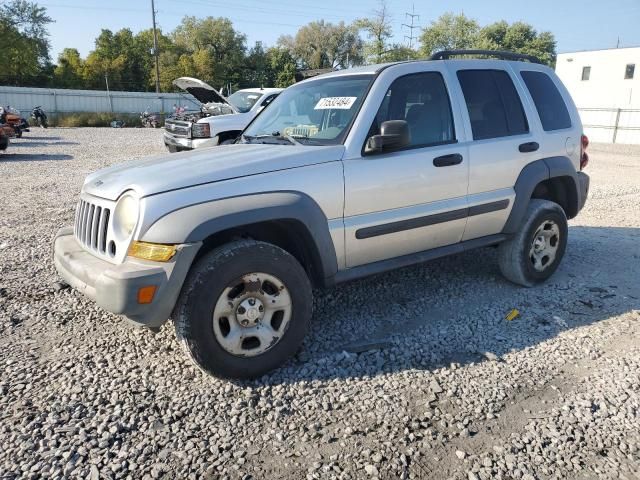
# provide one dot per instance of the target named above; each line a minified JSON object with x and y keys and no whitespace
{"x":252,"y":314}
{"x":544,"y":246}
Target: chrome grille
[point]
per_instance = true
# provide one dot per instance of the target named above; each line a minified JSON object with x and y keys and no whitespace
{"x":91,"y":226}
{"x":178,"y":128}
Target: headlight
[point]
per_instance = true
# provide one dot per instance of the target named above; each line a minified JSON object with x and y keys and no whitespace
{"x":125,"y":216}
{"x":200,"y":130}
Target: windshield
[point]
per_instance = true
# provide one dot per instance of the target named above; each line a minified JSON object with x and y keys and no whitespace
{"x":318,"y":112}
{"x":243,"y":101}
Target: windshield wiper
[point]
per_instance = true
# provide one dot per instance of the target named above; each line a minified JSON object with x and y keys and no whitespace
{"x":277,"y":137}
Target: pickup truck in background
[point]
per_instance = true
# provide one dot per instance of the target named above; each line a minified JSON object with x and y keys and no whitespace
{"x":219,"y":120}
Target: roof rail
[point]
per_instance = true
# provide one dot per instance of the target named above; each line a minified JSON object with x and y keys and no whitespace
{"x":447,"y":54}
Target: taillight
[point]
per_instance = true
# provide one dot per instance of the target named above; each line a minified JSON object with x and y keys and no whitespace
{"x":584,"y":157}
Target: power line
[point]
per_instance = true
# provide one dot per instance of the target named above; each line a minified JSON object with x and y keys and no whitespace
{"x":411,"y":27}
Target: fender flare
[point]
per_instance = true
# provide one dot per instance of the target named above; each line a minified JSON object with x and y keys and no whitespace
{"x":195,"y":223}
{"x":530,"y":176}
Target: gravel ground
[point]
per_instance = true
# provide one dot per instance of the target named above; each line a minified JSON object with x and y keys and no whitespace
{"x":414,"y":374}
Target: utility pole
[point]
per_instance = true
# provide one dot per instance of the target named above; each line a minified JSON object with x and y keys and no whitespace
{"x":106,"y":80}
{"x":411,"y":26}
{"x":155,"y":46}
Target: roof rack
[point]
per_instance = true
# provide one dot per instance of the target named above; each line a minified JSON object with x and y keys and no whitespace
{"x":447,"y":54}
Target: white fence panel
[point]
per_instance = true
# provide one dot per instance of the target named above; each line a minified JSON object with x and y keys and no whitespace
{"x":55,"y":101}
{"x":611,"y":125}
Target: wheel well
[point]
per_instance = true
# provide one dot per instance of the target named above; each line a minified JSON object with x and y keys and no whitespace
{"x":290,"y":235}
{"x":561,"y":190}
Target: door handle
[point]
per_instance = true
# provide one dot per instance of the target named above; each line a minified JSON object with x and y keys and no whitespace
{"x":448,"y":160}
{"x":529,"y":147}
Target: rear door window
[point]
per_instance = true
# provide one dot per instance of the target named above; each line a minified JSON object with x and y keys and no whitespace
{"x":493,"y":104}
{"x":549,"y":103}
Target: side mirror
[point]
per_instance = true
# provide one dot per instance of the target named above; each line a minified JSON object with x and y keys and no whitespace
{"x":394,"y":135}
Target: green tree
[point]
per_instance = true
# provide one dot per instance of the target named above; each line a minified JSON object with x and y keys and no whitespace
{"x":217,"y":50}
{"x":25,"y":45}
{"x":379,"y":31}
{"x":399,"y":53}
{"x":31,"y":20}
{"x":282,"y":67}
{"x":518,"y":37}
{"x":449,"y":32}
{"x":256,"y":67}
{"x":68,"y":73}
{"x":322,"y":44}
{"x":144,"y":41}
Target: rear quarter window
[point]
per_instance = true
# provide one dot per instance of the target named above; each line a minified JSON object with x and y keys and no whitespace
{"x":549,"y":103}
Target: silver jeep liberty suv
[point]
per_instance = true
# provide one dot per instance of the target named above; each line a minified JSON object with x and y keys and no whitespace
{"x":344,"y":175}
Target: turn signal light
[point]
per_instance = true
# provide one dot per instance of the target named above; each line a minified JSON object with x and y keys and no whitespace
{"x":145,"y":294}
{"x":156,"y":252}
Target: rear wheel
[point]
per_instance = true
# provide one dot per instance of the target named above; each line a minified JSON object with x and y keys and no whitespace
{"x":244,"y":309}
{"x":533,"y":254}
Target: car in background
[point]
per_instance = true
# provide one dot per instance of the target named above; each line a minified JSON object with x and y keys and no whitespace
{"x":219,"y":120}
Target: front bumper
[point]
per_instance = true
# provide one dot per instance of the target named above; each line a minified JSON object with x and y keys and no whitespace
{"x":583,"y":185}
{"x":115,"y":287}
{"x":182,"y":143}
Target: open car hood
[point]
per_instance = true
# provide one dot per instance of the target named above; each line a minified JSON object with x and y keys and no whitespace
{"x":202,"y":91}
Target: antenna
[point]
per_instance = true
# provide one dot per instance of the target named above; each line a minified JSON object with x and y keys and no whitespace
{"x":411,"y":27}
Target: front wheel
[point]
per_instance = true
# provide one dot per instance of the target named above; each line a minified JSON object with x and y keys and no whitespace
{"x":533,"y":254}
{"x":244,"y":309}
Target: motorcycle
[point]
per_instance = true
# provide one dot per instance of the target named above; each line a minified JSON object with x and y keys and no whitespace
{"x":149,"y":120}
{"x":11,"y":117}
{"x":39,"y":117}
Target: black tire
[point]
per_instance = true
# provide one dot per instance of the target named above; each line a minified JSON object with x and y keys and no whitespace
{"x":514,"y":254}
{"x":172,"y":148}
{"x":208,"y":278}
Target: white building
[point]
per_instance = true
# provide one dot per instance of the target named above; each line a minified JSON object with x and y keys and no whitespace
{"x":605,"y":84}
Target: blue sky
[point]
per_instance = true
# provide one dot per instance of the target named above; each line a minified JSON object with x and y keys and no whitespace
{"x":576,"y":24}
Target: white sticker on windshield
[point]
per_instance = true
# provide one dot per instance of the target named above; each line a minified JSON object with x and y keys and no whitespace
{"x":342,"y":103}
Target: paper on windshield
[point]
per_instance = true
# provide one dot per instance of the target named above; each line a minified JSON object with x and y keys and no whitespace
{"x":341,"y":103}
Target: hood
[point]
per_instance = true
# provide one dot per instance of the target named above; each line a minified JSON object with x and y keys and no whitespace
{"x":202,"y":91}
{"x":181,"y":170}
